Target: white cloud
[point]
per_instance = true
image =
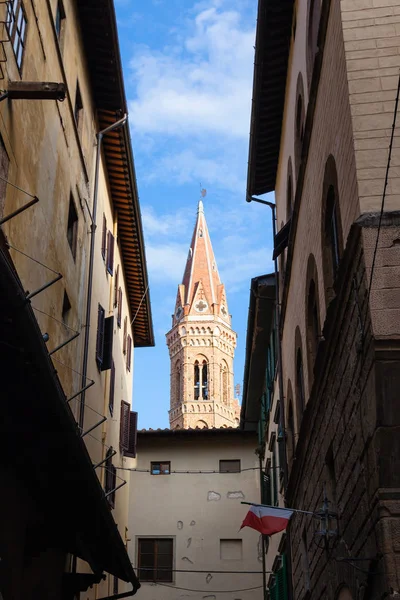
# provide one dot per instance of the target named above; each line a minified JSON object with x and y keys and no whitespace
{"x":166,"y":262}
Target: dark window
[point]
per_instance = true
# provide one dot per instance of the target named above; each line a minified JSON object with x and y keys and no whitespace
{"x":204,"y":381}
{"x":155,"y":558}
{"x":131,"y":450}
{"x":274,"y":477}
{"x":107,"y":344}
{"x":299,"y":125}
{"x":291,"y":434}
{"x":110,"y":479}
{"x":266,"y":497}
{"x":196,"y":380}
{"x":110,"y":253}
{"x":229,"y":466}
{"x":160,"y":468}
{"x":289,"y":192}
{"x":59,"y":20}
{"x":312,"y":324}
{"x":300,"y":396}
{"x":312,"y":35}
{"x":72,"y":229}
{"x":112,"y":389}
{"x":16,"y":28}
{"x":332,"y":228}
{"x":115,"y":585}
{"x":100,"y":335}
{"x":78,"y":110}
{"x":116,"y":286}
{"x":129,"y":353}
{"x":124,"y":425}
{"x":279,"y":589}
{"x":125,"y":339}
{"x":66,"y":309}
{"x":104,"y":238}
{"x":119,"y":307}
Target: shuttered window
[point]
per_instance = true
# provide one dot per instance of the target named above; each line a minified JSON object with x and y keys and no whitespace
{"x":107,"y":344}
{"x":116,"y":283}
{"x":110,"y":253}
{"x":104,"y":238}
{"x":119,"y":305}
{"x":279,"y":591}
{"x":125,"y":335}
{"x":112,"y":389}
{"x":155,"y":559}
{"x":100,"y":336}
{"x":129,"y":353}
{"x":266,"y":497}
{"x":131,"y":451}
{"x":124,"y":425}
{"x":110,"y":479}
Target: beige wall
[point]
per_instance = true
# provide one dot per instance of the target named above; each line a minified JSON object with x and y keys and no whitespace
{"x":197,"y":511}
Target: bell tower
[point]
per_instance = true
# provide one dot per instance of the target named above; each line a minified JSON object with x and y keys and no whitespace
{"x":201,"y":342}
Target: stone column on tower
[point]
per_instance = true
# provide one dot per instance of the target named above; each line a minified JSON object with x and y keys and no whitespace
{"x":201,"y":342}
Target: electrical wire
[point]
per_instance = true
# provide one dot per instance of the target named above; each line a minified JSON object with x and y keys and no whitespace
{"x":57,"y":320}
{"x":70,"y":368}
{"x":188,"y":472}
{"x":200,"y":571}
{"x":18,"y":188}
{"x":175,"y":587}
{"x":385,"y":186}
{"x":31,"y":258}
{"x":140,"y":304}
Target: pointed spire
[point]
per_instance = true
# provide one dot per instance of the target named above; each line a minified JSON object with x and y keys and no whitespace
{"x":201,"y":274}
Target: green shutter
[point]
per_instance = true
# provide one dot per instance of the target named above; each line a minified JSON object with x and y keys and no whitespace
{"x":281,"y":581}
{"x":266,"y":489}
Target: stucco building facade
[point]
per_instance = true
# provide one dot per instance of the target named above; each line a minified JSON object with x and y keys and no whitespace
{"x":202,"y":342}
{"x":75,"y":262}
{"x":323,"y":131}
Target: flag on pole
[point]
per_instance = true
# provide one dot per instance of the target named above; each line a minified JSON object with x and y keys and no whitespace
{"x":267,"y":520}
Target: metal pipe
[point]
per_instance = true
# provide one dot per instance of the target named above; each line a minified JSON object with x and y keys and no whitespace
{"x":57,"y":348}
{"x":19,"y":210}
{"x":81,"y":390}
{"x":123,"y":595}
{"x":94,"y":426}
{"x":93,"y":226}
{"x":44,"y":287}
{"x":115,"y":489}
{"x":264,"y":566}
{"x":113,"y":453}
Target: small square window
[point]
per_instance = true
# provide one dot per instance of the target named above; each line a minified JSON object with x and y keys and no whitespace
{"x":72,"y":230}
{"x":59,"y":20}
{"x":231,"y":549}
{"x":78,"y":110}
{"x":160,"y":468}
{"x":66,"y":309}
{"x":155,"y":559}
{"x":229,"y":466}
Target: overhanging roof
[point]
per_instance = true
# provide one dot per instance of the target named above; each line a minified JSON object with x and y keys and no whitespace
{"x":100,"y":37}
{"x":259,"y":326}
{"x":273,"y":35}
{"x":40,"y":442}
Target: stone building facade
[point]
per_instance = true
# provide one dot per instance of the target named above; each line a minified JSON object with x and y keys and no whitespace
{"x":66,"y":413}
{"x":201,"y":342}
{"x":325,"y":89}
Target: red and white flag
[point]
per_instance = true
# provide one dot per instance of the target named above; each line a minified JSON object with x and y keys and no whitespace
{"x":267,"y":520}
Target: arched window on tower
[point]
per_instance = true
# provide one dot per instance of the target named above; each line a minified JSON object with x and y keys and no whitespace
{"x":313,"y":334}
{"x":204,"y":381}
{"x":332,"y":237}
{"x":300,"y":393}
{"x":178,"y":384}
{"x":196,"y":380}
{"x":224,"y":383}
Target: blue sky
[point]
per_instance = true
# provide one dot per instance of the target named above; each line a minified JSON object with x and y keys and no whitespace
{"x":188,"y":70}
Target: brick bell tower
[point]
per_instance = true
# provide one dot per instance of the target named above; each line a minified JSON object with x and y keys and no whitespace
{"x":202,"y":343}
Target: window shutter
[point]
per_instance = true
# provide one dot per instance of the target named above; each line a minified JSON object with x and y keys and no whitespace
{"x":124,"y":425}
{"x":119,"y":310}
{"x":116,"y":281}
{"x":110,"y":253}
{"x":129,"y":353}
{"x":104,"y":238}
{"x":111,"y":479}
{"x":112,"y":388}
{"x":266,"y":491}
{"x":125,"y":335}
{"x":131,"y":451}
{"x":100,"y":335}
{"x":107,"y":343}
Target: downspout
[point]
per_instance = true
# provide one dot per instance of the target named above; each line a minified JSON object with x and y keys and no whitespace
{"x":264,"y":572}
{"x":280,"y":376}
{"x":99,"y":137}
{"x":129,"y":594}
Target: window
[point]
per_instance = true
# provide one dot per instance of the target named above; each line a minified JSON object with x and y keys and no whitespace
{"x":119,"y":307}
{"x":331,"y":234}
{"x":204,"y":381}
{"x":16,"y":28}
{"x":110,"y":478}
{"x":78,"y":110}
{"x":196,"y":380}
{"x":229,"y":466}
{"x":274,"y":476}
{"x":300,"y":394}
{"x":125,"y":339}
{"x":155,"y":559}
{"x":299,"y":124}
{"x":116,"y":287}
{"x":110,"y":253}
{"x":124,"y":425}
{"x":104,"y":340}
{"x":290,"y":432}
{"x":224,"y":383}
{"x":59,"y":21}
{"x":266,"y":497}
{"x":160,"y":468}
{"x":312,"y":318}
{"x":279,"y":589}
{"x":289,"y":191}
{"x":100,"y":335}
{"x":129,"y":353}
{"x":201,"y":380}
{"x":177,"y":383}
{"x":112,"y":389}
{"x":104,"y":238}
{"x":332,"y":228}
{"x":66,"y":309}
{"x":231,"y":549}
{"x":314,"y":8}
{"x":72,"y":229}
{"x":133,"y":420}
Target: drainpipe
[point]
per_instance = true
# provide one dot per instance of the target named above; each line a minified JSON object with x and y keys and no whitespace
{"x":272,"y":206}
{"x":129,"y":594}
{"x":260,"y":459}
{"x":99,"y":137}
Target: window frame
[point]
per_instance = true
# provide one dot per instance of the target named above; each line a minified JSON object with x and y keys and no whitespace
{"x":154,"y":577}
{"x":59,"y":21}
{"x":101,"y":317}
{"x":160,"y":463}
{"x":14,"y":10}
{"x":78,"y":110}
{"x":110,"y":478}
{"x":230,"y":461}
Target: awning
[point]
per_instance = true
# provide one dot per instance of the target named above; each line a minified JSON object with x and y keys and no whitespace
{"x":41,"y":444}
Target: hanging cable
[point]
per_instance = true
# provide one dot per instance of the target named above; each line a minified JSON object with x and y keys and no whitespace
{"x":140,"y":304}
{"x":57,"y":320}
{"x":17,"y":188}
{"x":175,"y":587}
{"x":31,"y":258}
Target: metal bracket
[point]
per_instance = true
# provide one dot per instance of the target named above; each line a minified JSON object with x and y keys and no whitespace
{"x":44,"y":287}
{"x":113,"y":453}
{"x":57,"y":348}
{"x":94,"y":426}
{"x":81,"y":390}
{"x":115,"y":489}
{"x":19,"y":210}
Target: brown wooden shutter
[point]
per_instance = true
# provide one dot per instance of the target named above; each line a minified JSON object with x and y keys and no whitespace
{"x":129,"y":353}
{"x":100,"y":335}
{"x":116,"y":282}
{"x":112,"y":389}
{"x":104,"y":238}
{"x":125,"y":335}
{"x":110,"y":253}
{"x":107,"y":343}
{"x":119,"y":311}
{"x":110,"y":478}
{"x":133,"y":419}
{"x":124,"y":425}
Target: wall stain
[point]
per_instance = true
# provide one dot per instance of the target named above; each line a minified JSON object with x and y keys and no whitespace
{"x":236,"y":495}
{"x":185,"y":558}
{"x":213,"y":496}
{"x":189,"y":542}
{"x":179,"y":524}
{"x":208,"y":578}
